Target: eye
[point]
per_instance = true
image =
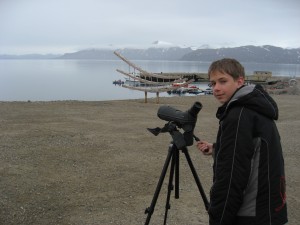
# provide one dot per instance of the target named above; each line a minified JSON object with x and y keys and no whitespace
{"x":211,"y":84}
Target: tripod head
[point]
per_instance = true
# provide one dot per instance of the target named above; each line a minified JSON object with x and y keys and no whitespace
{"x":178,"y":119}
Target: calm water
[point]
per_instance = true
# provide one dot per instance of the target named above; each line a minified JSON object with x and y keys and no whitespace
{"x":91,"y":80}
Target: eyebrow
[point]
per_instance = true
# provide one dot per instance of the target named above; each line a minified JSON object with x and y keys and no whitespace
{"x":221,"y":78}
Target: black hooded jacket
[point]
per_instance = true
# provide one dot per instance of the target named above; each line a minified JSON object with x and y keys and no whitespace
{"x":249,"y":180}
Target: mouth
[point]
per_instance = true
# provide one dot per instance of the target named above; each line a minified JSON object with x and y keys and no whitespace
{"x":218,"y":95}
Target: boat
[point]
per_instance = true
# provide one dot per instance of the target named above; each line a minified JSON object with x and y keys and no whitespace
{"x":118,"y":82}
{"x":150,"y":82}
{"x":156,"y":88}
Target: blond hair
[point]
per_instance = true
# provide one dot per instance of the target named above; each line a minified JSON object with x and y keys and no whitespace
{"x":229,"y":66}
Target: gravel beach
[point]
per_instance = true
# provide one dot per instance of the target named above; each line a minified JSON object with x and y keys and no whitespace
{"x":88,"y":163}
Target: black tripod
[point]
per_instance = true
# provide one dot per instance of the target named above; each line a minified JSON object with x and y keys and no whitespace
{"x":173,"y":157}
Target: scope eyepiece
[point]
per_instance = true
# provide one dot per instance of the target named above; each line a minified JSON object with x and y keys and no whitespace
{"x":195,"y":109}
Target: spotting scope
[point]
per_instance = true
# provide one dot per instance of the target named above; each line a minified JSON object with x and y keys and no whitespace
{"x":184,"y":120}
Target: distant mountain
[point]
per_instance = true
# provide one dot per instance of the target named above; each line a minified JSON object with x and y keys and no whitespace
{"x":104,"y":54}
{"x":166,"y":51}
{"x":256,"y":54}
{"x":171,"y":53}
{"x":30,"y":56}
{"x":153,"y":53}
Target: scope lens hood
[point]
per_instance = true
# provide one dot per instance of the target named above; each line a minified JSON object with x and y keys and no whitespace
{"x":169,"y":113}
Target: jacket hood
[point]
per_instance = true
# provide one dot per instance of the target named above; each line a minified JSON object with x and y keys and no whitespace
{"x":253,"y":97}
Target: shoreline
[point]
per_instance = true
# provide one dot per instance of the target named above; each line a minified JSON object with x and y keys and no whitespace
{"x":164,"y":95}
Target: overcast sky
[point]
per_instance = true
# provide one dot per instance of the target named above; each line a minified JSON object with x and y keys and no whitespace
{"x":59,"y":26}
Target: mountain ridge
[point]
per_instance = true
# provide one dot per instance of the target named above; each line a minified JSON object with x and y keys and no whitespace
{"x":248,"y":53}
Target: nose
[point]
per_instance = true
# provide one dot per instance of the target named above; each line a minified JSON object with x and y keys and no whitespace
{"x":216,"y":87}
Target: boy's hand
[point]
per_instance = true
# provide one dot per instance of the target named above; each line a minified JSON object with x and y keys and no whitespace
{"x":205,"y":147}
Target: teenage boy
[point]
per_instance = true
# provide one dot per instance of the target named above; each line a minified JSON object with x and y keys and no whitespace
{"x":248,"y":172}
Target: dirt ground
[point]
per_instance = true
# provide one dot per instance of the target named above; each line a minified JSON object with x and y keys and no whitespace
{"x":88,"y":163}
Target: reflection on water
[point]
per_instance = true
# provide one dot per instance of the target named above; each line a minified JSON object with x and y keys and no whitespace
{"x":92,"y":80}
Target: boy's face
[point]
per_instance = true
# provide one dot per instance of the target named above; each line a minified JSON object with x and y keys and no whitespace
{"x":224,"y":85}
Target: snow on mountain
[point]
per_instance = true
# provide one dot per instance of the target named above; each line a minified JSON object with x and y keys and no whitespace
{"x":162,"y":44}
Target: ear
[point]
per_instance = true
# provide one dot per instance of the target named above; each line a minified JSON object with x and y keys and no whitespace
{"x":241,"y":81}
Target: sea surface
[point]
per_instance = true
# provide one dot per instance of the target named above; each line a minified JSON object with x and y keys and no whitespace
{"x":92,"y":80}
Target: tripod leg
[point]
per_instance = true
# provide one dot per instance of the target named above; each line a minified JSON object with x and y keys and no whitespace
{"x":170,"y":185}
{"x":176,"y":153}
{"x":196,"y":177}
{"x":150,"y":209}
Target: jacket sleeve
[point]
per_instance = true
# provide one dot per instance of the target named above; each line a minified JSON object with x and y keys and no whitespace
{"x":234,"y":151}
